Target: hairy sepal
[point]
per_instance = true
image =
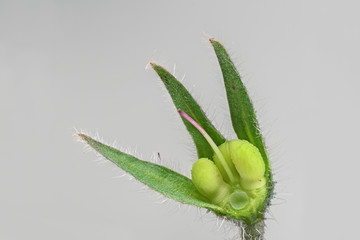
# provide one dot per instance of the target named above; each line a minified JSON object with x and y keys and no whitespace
{"x":161,"y":179}
{"x":183,"y":100}
{"x":242,"y":112}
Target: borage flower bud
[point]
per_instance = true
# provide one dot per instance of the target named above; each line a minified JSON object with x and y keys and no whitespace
{"x":238,"y":184}
{"x":249,"y":163}
{"x":208,"y":180}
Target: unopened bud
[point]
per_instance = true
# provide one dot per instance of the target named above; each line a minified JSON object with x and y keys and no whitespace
{"x":208,"y":180}
{"x":249,"y":163}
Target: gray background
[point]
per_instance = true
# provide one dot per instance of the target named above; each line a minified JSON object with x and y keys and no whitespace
{"x":66,"y":64}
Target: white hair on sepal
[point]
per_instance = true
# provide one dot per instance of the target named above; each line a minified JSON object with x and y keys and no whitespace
{"x":216,"y":223}
{"x":269,"y":216}
{"x":173,"y":206}
{"x":154,"y":58}
{"x":280,"y":196}
{"x":86,"y":146}
{"x":278,"y":167}
{"x":148,"y":66}
{"x":174,"y":70}
{"x":183,"y":77}
{"x":100,"y":158}
{"x":206,"y":37}
{"x":230,"y":229}
{"x":209,"y":218}
{"x":121,"y":173}
{"x":279,"y":164}
{"x":130,"y":151}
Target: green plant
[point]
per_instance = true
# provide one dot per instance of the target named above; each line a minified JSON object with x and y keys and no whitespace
{"x":232,"y":178}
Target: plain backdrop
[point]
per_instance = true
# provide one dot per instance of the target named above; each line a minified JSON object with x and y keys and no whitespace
{"x":81,"y":64}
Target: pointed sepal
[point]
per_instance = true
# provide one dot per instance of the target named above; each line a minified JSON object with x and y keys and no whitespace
{"x":183,"y":100}
{"x":161,"y":179}
{"x":242,"y":112}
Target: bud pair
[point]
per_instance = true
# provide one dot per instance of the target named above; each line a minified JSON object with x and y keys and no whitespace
{"x":208,"y":180}
{"x":237,"y":161}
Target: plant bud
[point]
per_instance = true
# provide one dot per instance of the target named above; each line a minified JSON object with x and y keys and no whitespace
{"x":208,"y":180}
{"x":225,"y":151}
{"x":249,"y":163}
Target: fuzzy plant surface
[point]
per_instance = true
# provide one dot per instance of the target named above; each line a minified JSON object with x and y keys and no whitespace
{"x":231,"y":178}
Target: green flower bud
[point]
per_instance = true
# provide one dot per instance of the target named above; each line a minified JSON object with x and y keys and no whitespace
{"x":249,"y":163}
{"x":225,"y":150}
{"x":208,"y":180}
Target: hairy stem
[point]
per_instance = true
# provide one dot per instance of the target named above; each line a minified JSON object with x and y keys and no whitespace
{"x":251,"y":232}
